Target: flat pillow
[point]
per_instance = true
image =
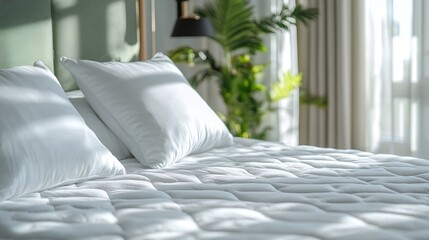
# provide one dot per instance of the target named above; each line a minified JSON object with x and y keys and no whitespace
{"x":44,"y":142}
{"x":103,"y":133}
{"x":151,"y":107}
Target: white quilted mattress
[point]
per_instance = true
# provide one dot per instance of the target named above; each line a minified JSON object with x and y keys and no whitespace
{"x":252,"y":190}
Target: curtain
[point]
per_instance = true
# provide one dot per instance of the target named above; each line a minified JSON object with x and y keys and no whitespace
{"x":398,"y":76}
{"x":333,"y":71}
{"x":283,"y":59}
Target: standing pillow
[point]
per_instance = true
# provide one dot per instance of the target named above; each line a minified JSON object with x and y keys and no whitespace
{"x":103,"y":133}
{"x":44,"y":142}
{"x":151,"y":107}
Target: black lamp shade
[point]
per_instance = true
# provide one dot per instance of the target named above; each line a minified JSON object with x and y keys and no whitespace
{"x":192,"y":27}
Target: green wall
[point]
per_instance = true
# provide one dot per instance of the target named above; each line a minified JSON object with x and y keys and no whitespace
{"x":25,"y":34}
{"x":99,"y":30}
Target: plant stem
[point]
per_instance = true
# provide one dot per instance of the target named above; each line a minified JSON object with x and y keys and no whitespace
{"x":228,"y":59}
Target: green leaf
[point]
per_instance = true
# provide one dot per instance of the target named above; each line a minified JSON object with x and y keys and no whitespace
{"x":282,"y":20}
{"x":283,"y":88}
{"x":187,"y":55}
{"x":233,"y":23}
{"x":308,"y":99}
{"x":203,"y":75}
{"x":304,"y":14}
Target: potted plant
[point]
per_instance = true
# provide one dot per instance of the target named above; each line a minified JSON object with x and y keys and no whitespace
{"x":240,"y":36}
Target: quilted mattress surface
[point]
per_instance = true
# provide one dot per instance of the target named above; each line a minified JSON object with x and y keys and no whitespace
{"x":252,"y":190}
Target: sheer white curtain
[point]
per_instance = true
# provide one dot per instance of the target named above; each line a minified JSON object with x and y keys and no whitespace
{"x":284,"y":58}
{"x":397,"y":76}
{"x":375,"y":75}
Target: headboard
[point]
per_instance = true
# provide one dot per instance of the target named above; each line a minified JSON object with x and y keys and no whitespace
{"x":100,"y":30}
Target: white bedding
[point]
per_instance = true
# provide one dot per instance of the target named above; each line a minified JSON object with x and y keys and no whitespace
{"x":252,"y":190}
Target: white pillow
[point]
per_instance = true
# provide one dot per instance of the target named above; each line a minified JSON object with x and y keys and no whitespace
{"x":151,"y":107}
{"x":104,"y":134}
{"x":44,"y":142}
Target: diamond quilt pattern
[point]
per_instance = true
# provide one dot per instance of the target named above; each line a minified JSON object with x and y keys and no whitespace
{"x":251,"y":190}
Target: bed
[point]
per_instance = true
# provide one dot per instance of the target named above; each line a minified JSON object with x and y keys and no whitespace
{"x":242,"y":189}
